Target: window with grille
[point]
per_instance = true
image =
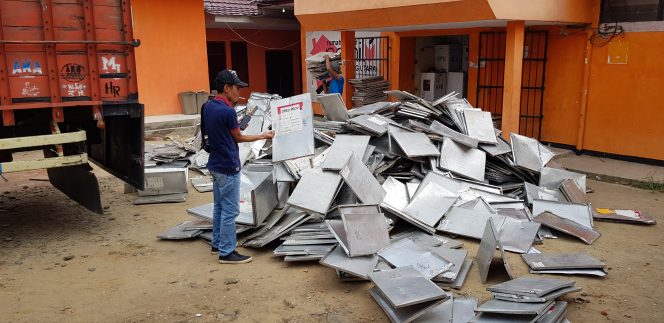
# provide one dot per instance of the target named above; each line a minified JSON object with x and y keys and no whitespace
{"x":631,"y":10}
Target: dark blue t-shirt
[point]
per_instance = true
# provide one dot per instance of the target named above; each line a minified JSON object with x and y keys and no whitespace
{"x":219,"y":120}
{"x":337,"y":86}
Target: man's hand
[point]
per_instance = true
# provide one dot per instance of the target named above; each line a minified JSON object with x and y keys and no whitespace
{"x":239,"y":137}
{"x":328,"y":66}
{"x":268,"y":134}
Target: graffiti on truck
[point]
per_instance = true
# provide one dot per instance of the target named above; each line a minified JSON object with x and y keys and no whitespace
{"x":109,"y":65}
{"x":112,"y":89}
{"x":26,"y":67}
{"x":74,"y":89}
{"x":73,"y":72}
{"x":30,"y":90}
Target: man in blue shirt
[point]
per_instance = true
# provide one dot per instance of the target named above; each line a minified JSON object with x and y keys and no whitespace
{"x":336,"y":82}
{"x":224,"y":164}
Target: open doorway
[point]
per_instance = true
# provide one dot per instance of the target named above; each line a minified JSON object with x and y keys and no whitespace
{"x":279,"y":72}
{"x":441,"y":66}
{"x":216,"y":51}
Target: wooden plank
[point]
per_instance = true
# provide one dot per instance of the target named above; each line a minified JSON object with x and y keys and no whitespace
{"x":42,"y":163}
{"x":37,"y":141}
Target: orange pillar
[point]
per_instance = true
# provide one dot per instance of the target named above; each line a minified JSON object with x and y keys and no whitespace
{"x":229,"y":61}
{"x":473,"y":65}
{"x":512,"y":82}
{"x":348,"y":66}
{"x":394,"y":52}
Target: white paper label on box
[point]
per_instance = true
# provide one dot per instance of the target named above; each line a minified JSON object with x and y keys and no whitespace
{"x":153,"y":183}
{"x":377,"y":121}
{"x":628,"y":213}
{"x":290,"y":118}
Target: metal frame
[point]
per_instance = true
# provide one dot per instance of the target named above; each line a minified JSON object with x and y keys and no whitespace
{"x":40,"y":163}
{"x":44,"y":140}
{"x":38,"y":141}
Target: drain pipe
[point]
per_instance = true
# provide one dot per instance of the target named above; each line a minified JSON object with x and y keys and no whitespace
{"x":586,"y":77}
{"x":584,"y":94}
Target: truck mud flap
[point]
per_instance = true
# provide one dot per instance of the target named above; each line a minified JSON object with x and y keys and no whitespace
{"x":119,"y":147}
{"x":79,"y":183}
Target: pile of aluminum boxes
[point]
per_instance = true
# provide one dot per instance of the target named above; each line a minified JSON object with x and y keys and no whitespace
{"x":368,"y":90}
{"x":526,"y":299}
{"x":316,"y":64}
{"x":380,"y":192}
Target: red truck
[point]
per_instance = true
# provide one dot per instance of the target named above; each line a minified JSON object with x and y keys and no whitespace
{"x":68,"y":87}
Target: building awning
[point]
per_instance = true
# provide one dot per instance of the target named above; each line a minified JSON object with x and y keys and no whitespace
{"x":428,"y":14}
{"x":250,"y":14}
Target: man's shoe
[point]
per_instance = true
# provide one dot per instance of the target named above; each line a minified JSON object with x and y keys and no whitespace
{"x":215,"y":251}
{"x":234,"y":258}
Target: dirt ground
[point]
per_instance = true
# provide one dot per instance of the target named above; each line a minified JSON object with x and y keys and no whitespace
{"x":120,"y":272}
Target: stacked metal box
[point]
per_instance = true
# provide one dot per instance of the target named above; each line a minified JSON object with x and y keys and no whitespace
{"x":381,"y":192}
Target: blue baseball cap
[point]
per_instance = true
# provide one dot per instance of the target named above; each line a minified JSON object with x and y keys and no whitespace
{"x":229,"y":77}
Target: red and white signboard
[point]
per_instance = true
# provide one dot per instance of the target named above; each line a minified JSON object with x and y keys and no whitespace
{"x":290,"y":118}
{"x":330,"y":41}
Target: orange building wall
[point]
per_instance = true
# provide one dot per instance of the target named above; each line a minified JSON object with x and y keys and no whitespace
{"x":563,"y":87}
{"x":172,"y":57}
{"x":276,"y":39}
{"x":625,"y":114}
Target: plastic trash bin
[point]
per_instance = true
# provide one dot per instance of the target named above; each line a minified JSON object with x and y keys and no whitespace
{"x":188,"y":102}
{"x":201,"y":98}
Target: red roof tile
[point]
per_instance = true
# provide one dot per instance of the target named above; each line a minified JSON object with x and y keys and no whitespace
{"x":239,"y":7}
{"x":232,"y":7}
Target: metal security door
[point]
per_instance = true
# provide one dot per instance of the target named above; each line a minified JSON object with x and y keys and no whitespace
{"x":372,"y":57}
{"x":491,"y":73}
{"x":532,"y":83}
